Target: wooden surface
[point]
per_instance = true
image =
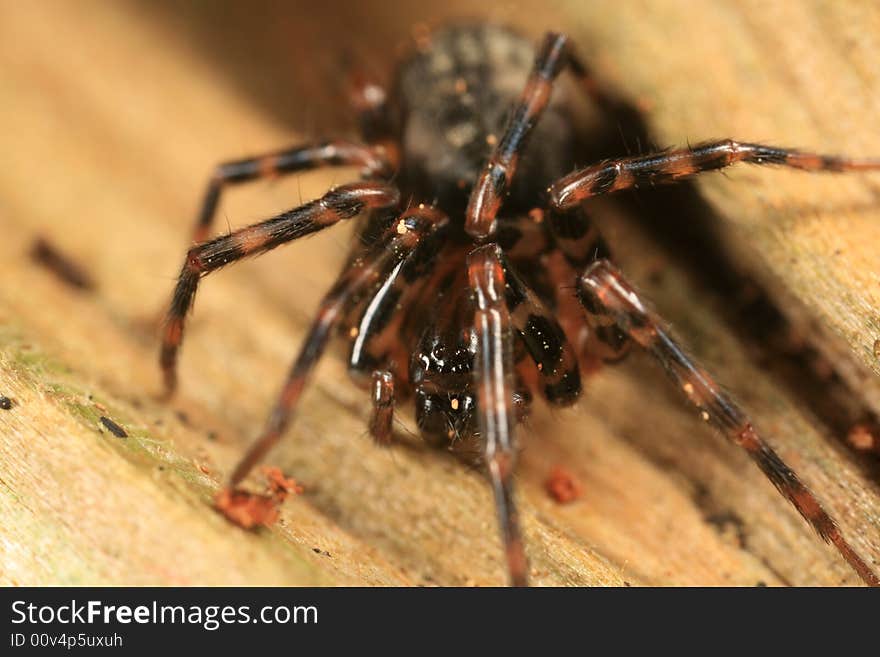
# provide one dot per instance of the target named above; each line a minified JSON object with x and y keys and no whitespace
{"x":114,"y":113}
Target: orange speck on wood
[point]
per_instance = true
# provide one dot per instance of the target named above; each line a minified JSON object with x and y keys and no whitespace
{"x":279,"y":485}
{"x":562,"y":486}
{"x":247,"y":510}
{"x":863,"y":437}
{"x":250,"y":510}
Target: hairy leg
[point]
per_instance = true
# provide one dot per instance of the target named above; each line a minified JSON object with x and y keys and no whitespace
{"x":382,"y":415}
{"x":671,"y":166}
{"x":400,"y":243}
{"x":544,"y":340}
{"x":377,"y":341}
{"x":305,"y":157}
{"x":605,"y":292}
{"x":494,"y":379}
{"x":341,"y":203}
{"x":494,"y":182}
{"x":488,"y":193}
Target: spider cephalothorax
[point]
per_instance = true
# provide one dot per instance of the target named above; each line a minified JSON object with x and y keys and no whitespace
{"x":477,"y":282}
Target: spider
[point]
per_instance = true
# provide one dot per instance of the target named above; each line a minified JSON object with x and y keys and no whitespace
{"x":458,"y":289}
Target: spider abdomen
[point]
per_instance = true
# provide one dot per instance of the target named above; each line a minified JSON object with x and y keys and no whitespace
{"x":455,"y":96}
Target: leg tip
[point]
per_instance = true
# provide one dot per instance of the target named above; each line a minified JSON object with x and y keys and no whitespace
{"x":169,"y":386}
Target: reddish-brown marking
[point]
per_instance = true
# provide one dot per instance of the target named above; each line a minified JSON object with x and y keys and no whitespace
{"x":748,"y":439}
{"x":807,"y":504}
{"x":487,"y":278}
{"x":247,"y":510}
{"x":568,"y":310}
{"x":251,"y":510}
{"x":268,"y":166}
{"x":194,"y":261}
{"x":173,"y":331}
{"x":561,"y":485}
{"x":806,"y":160}
{"x":536,"y":95}
{"x":292,"y":391}
{"x":854,"y":560}
{"x":201,"y":233}
{"x":517,"y":563}
{"x":250,"y":240}
{"x":278,"y":485}
{"x":864,"y":437}
{"x":681,"y":166}
{"x":383,"y":407}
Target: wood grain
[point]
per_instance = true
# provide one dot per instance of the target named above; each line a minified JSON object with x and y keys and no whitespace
{"x":113,"y":115}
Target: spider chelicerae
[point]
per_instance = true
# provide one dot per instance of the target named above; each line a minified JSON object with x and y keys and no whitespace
{"x":458,"y":288}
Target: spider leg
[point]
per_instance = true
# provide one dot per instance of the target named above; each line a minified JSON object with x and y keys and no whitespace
{"x":401,"y":241}
{"x":569,"y":312}
{"x":671,"y":166}
{"x":383,"y":407}
{"x":494,"y":379}
{"x":304,"y":157}
{"x":604,"y":292}
{"x":341,"y":203}
{"x":598,"y":340}
{"x":494,"y":181}
{"x":543,"y":338}
{"x":377,"y":331}
{"x":580,"y":242}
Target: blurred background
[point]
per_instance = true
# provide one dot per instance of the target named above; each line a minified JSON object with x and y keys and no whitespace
{"x":112,"y":116}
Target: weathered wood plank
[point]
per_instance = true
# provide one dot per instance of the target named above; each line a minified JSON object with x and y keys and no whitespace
{"x":111,"y":146}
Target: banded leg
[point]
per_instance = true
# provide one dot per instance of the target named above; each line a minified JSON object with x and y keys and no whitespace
{"x":597,"y":340}
{"x":580,"y":242}
{"x":543,"y":338}
{"x":604,"y":291}
{"x":671,"y":166}
{"x":377,"y":338}
{"x":494,"y":181}
{"x":413,"y":226}
{"x":300,"y":158}
{"x":341,"y":203}
{"x":494,"y":379}
{"x":383,"y":407}
{"x":569,"y":312}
